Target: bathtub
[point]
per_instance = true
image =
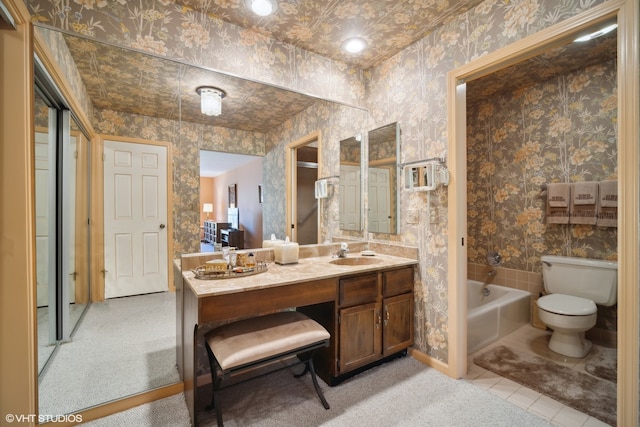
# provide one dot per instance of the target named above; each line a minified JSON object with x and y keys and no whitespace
{"x":492,"y":317}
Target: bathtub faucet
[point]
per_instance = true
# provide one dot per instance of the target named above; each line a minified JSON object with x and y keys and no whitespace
{"x":485,"y":291}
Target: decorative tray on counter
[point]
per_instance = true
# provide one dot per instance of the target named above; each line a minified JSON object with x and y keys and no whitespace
{"x":209,"y":272}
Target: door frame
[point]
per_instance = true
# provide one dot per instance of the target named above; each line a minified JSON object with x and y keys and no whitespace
{"x":291,"y":187}
{"x":97,"y":211}
{"x":627,"y":12}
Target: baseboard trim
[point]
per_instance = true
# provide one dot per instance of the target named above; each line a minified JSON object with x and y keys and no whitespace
{"x":429,"y":361}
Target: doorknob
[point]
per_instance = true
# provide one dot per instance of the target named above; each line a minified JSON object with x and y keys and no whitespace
{"x":162,"y":226}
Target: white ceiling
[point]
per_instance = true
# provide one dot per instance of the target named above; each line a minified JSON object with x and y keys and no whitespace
{"x":214,"y":163}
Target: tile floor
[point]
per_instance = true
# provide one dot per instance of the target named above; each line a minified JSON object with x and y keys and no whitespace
{"x":528,"y":338}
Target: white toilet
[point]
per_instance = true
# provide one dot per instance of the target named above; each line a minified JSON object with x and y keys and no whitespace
{"x":575,"y":286}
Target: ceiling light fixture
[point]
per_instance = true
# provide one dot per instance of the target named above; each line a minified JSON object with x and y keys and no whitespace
{"x":210,"y":100}
{"x":597,"y":34}
{"x":263,"y":7}
{"x":354,"y":44}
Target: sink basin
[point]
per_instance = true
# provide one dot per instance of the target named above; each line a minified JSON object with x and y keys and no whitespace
{"x":359,"y":260}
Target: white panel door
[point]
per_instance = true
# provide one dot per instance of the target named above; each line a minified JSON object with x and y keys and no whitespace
{"x":379,"y":201}
{"x":135,"y":218}
{"x":350,"y":197}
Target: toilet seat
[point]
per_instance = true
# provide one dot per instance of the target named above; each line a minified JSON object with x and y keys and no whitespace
{"x":567,"y":305}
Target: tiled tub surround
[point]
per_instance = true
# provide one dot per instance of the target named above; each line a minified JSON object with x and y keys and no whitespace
{"x":604,"y":333}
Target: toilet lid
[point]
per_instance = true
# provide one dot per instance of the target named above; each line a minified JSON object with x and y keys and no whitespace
{"x":567,"y":305}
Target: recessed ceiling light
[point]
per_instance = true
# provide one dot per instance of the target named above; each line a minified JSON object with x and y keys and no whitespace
{"x":597,"y":34}
{"x":263,"y":7}
{"x":354,"y":44}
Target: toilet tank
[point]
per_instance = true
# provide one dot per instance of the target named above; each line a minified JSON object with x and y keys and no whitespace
{"x":592,"y":279}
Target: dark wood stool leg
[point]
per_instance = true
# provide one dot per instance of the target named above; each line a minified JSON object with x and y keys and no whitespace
{"x":213,"y":376}
{"x":216,"y":381}
{"x":216,"y":399}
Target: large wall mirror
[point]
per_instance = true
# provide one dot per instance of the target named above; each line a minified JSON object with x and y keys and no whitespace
{"x":127,"y":345}
{"x":350,"y":203}
{"x":383,"y":205}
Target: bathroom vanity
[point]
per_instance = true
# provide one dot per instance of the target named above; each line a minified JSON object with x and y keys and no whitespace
{"x":366,"y":304}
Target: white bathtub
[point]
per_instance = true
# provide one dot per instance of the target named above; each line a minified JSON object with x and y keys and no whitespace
{"x":492,"y":317}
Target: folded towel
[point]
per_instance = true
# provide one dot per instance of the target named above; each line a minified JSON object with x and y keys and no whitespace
{"x":584,"y":202}
{"x":558,"y":195}
{"x":609,"y":193}
{"x":585,"y":193}
{"x":608,"y":204}
{"x":558,"y":198}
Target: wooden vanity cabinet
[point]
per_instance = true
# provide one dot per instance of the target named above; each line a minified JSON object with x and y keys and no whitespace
{"x":359,"y":320}
{"x":397,"y":302}
{"x":372,"y":319}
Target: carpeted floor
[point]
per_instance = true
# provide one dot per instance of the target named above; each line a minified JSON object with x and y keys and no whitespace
{"x":123,"y":346}
{"x":403,"y":392}
{"x":583,"y":391}
{"x":45,"y":348}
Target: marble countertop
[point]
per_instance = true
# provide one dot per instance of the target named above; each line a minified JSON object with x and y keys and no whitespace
{"x":306,"y":269}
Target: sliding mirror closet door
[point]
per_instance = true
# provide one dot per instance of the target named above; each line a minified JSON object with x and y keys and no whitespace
{"x":76,"y":166}
{"x":45,"y":218}
{"x":62,"y":225}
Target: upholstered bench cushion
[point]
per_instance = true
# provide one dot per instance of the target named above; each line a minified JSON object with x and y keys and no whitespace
{"x":250,"y":340}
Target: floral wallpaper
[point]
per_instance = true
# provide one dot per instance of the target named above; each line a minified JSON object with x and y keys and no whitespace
{"x":179,"y":32}
{"x":120,"y":79}
{"x":563,"y":130}
{"x":408,"y":88}
{"x":319,"y":27}
{"x":335,"y":122}
{"x":58,"y":48}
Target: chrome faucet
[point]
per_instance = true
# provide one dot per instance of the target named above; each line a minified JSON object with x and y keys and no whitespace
{"x":342,"y":252}
{"x":485,"y":291}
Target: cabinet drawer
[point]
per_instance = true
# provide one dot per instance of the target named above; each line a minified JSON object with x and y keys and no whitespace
{"x":397,"y":282}
{"x":358,"y":290}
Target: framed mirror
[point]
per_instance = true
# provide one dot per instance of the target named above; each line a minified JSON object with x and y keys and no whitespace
{"x":350,"y":203}
{"x":382,"y":173}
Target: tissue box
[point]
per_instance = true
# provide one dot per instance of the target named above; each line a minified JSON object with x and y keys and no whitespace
{"x":272,"y":243}
{"x":286,"y":253}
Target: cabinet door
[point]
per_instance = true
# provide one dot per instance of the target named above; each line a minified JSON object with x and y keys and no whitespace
{"x":360,"y":336}
{"x":398,"y":323}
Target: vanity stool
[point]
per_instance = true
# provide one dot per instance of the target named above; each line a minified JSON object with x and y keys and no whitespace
{"x":247,"y":344}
